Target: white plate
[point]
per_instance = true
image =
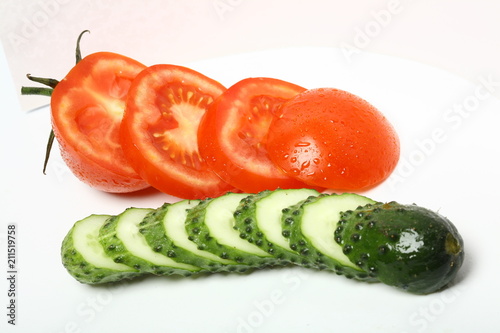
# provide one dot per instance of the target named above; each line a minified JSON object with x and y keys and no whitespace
{"x":450,"y":143}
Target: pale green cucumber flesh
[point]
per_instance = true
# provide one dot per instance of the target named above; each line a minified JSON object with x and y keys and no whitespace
{"x":122,"y":240}
{"x":85,"y":259}
{"x":311,"y":225}
{"x":211,"y":226}
{"x":165,"y":232}
{"x":405,"y":246}
{"x":258,"y":219}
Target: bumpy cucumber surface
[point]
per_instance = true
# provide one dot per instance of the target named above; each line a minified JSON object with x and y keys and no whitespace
{"x":258,"y":219}
{"x":123,"y":241}
{"x":405,"y":246}
{"x":211,"y":226}
{"x":84,"y":257}
{"x":310,"y":226}
{"x":165,"y":232}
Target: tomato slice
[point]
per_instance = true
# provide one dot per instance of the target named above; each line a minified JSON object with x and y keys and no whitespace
{"x":160,"y":126}
{"x":233,"y":134}
{"x":334,"y":139}
{"x":87,"y":108}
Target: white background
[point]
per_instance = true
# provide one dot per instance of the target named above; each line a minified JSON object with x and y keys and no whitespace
{"x":460,"y":36}
{"x":419,"y":61}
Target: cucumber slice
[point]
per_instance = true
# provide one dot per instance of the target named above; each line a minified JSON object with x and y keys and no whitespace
{"x":310,"y":226}
{"x":405,"y":246}
{"x":123,"y":241}
{"x":211,"y":226}
{"x":165,"y":232}
{"x":85,"y":259}
{"x":258,"y":219}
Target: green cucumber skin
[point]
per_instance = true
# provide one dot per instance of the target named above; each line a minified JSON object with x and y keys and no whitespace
{"x":200,"y":234}
{"x":117,"y":250}
{"x":81,"y":269}
{"x":153,"y":230}
{"x":246,"y":224}
{"x":292,"y":228}
{"x":404,"y":246}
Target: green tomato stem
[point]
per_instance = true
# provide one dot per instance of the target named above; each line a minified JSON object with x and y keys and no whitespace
{"x":42,"y":91}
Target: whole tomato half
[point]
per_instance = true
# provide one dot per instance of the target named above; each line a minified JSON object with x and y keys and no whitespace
{"x":87,"y":108}
{"x":334,"y":139}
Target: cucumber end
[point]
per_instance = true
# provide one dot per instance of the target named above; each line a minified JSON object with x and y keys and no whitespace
{"x":405,"y":246}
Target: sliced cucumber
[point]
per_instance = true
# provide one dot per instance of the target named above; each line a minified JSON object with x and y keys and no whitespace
{"x":211,"y":226}
{"x":165,"y":232}
{"x":85,"y":259}
{"x":258,"y":219}
{"x":311,"y":225}
{"x":404,"y":246}
{"x":123,"y":241}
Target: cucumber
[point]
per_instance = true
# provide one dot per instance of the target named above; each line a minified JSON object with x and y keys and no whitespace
{"x":310,"y":227}
{"x":165,"y":232}
{"x":404,"y":246}
{"x":258,"y":219}
{"x":211,"y":226}
{"x":123,"y":242}
{"x":84,"y":257}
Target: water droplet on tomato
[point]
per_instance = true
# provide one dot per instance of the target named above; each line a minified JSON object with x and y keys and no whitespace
{"x":293,"y":159}
{"x":305,"y":165}
{"x":295,"y":171}
{"x":302,"y":144}
{"x":316,"y":161}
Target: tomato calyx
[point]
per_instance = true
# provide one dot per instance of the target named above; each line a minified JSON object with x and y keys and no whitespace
{"x":86,"y":112}
{"x":44,"y":91}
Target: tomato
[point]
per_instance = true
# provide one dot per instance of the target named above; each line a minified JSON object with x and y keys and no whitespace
{"x":160,"y":126}
{"x":86,"y":109}
{"x":332,"y":138}
{"x":233,"y":134}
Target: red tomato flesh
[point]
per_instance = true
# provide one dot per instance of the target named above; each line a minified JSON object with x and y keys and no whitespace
{"x":233,"y":134}
{"x":331,"y":138}
{"x":87,"y":108}
{"x":160,"y":126}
